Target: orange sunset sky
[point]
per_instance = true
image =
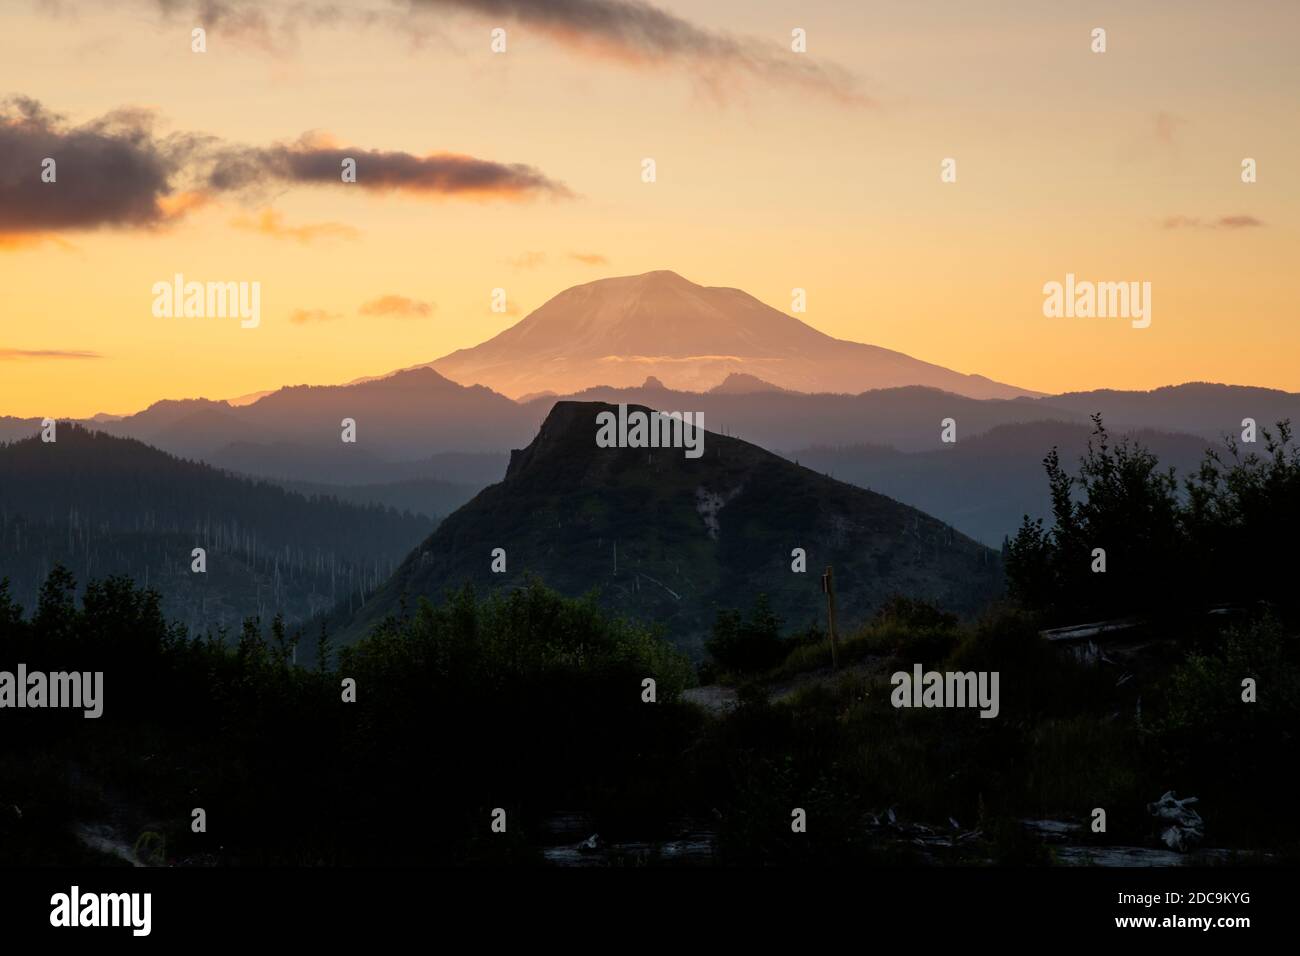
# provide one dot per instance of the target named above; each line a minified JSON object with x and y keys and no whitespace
{"x":775,"y":170}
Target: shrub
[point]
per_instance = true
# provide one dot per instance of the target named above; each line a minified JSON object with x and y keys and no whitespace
{"x":748,"y":645}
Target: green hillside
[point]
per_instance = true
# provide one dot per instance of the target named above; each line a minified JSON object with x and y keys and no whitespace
{"x":669,"y":539}
{"x":102,"y":506}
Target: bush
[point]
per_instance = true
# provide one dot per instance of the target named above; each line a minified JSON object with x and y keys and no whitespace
{"x":914,"y":612}
{"x":748,"y":645}
{"x":1206,"y":741}
{"x":1226,"y":539}
{"x":530,"y":694}
{"x":1120,"y":502}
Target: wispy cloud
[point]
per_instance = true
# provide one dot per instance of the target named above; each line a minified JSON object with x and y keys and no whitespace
{"x":273,"y":26}
{"x":27,"y":240}
{"x":306,"y":316}
{"x":527,"y":260}
{"x":397,"y":305}
{"x":632,"y":33}
{"x":13,"y":355}
{"x":640,"y":34}
{"x":1240,"y":221}
{"x":532,"y":259}
{"x":1165,"y":127}
{"x":1155,"y":138}
{"x":271,"y":223}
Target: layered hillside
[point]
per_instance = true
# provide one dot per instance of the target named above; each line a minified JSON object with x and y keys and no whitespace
{"x":670,"y":539}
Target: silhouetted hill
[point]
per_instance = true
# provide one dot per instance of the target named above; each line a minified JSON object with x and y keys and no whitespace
{"x":414,"y":416}
{"x":188,"y":429}
{"x":294,"y":433}
{"x":909,"y":419}
{"x":985,"y":484}
{"x":102,"y":505}
{"x":692,"y":535}
{"x":412,"y":413}
{"x":738,"y":383}
{"x":14,"y":429}
{"x":164,"y":414}
{"x":284,"y":462}
{"x":1200,"y":408}
{"x":429,"y":497}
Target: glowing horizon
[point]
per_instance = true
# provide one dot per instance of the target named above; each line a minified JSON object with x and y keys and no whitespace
{"x":522,"y":170}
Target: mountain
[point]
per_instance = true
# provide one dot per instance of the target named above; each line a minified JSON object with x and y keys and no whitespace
{"x":15,"y":429}
{"x":617,"y":331}
{"x":190,"y":429}
{"x":430,"y":497}
{"x":290,"y":462}
{"x":669,"y":539}
{"x":249,"y":398}
{"x":738,"y":383}
{"x":985,"y":484}
{"x":1208,"y":409}
{"x":909,"y":419}
{"x":102,"y":505}
{"x":294,"y":433}
{"x":416,"y":410}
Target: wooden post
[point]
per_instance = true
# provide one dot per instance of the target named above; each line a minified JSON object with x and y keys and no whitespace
{"x":828,"y":585}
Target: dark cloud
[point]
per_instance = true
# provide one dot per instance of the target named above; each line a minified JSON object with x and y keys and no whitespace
{"x":309,"y":161}
{"x":640,"y":33}
{"x":1239,"y":221}
{"x":116,"y":171}
{"x":589,"y":258}
{"x":112,"y":171}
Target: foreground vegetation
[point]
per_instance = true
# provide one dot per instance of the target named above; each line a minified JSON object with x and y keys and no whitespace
{"x":524,"y":703}
{"x":1077,"y":731}
{"x":533,"y":702}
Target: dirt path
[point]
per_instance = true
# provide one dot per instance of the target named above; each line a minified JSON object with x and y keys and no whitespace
{"x":720,"y":698}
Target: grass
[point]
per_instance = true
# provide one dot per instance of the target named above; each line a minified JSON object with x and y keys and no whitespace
{"x":1068,"y":739}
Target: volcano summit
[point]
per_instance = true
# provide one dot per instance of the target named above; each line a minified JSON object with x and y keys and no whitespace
{"x":619,"y":331}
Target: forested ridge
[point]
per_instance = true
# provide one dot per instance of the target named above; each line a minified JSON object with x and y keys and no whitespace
{"x":101,"y":506}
